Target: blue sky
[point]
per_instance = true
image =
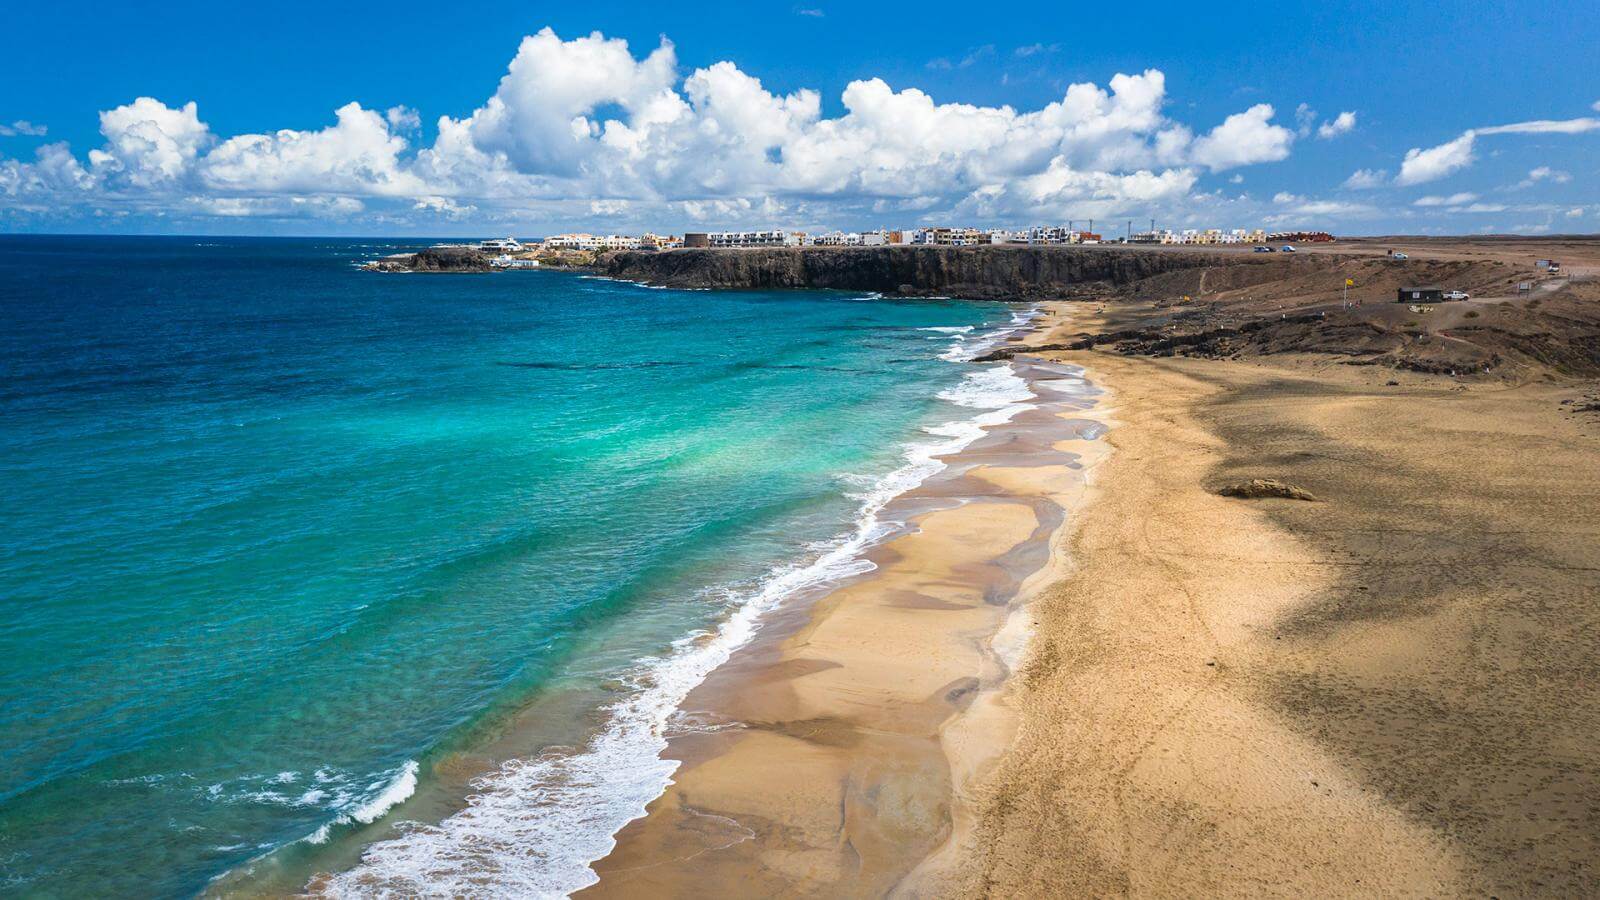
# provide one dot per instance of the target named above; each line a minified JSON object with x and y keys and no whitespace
{"x":997,"y":134}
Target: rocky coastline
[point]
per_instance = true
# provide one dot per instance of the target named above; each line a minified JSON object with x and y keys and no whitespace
{"x":977,"y":273}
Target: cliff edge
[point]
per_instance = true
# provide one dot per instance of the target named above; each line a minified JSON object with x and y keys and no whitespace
{"x":979,"y":273}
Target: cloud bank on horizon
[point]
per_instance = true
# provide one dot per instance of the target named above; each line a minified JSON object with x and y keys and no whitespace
{"x":582,"y":131}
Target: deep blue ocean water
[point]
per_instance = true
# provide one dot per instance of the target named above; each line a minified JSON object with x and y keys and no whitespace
{"x":278,"y":536}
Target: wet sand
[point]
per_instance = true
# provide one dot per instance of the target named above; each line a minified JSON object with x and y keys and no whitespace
{"x":835,"y":755}
{"x":1389,"y":692}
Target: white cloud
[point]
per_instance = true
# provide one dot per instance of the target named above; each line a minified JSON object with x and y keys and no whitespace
{"x":1575,"y":213}
{"x":275,"y":207}
{"x":1421,"y":166}
{"x":585,"y":127}
{"x":403,"y":119}
{"x":1366,"y":179}
{"x":1340,"y":208}
{"x":1545,"y":126}
{"x":1452,"y":200}
{"x":1543,"y":173}
{"x":975,"y":56}
{"x":22,"y":127}
{"x":1034,"y":50}
{"x":1304,"y":118}
{"x":812,"y":13}
{"x":358,"y":154}
{"x":444,"y":206}
{"x":1243,"y":139}
{"x":149,"y":144}
{"x":1344,"y":123}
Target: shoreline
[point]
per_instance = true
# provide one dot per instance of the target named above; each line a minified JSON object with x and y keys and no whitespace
{"x":823,"y":754}
{"x":654,"y":710}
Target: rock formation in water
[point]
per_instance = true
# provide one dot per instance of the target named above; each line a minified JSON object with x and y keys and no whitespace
{"x":435,"y":259}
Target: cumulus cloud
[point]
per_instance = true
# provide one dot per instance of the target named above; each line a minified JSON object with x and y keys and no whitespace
{"x":1344,"y":123}
{"x":149,"y":144}
{"x":357,"y":154}
{"x":1421,"y":166}
{"x":1243,"y":139}
{"x":586,"y":125}
{"x":1366,"y":179}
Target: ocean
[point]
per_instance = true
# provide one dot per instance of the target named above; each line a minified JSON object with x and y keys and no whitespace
{"x":402,"y":577}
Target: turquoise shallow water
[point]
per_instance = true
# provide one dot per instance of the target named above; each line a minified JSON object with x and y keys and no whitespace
{"x":278,"y":535}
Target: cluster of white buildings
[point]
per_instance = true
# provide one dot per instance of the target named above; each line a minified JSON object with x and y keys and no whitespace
{"x":1198,"y":237}
{"x":646,"y":241}
{"x":932,"y":236}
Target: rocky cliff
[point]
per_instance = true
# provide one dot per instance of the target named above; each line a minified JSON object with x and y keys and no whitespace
{"x":989,"y":273}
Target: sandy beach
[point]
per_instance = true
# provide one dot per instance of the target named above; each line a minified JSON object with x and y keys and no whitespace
{"x":1380,"y":692}
{"x":1387,"y":692}
{"x":835,"y":755}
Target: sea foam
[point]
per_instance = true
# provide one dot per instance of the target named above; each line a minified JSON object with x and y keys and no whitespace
{"x":533,"y":827}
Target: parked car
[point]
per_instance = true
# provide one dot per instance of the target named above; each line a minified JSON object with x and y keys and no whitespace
{"x":1265,"y":250}
{"x":1457,"y":295}
{"x":1288,"y":249}
{"x":1398,"y":255}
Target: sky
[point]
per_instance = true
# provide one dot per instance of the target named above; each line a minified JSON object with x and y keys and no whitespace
{"x":538,"y":118}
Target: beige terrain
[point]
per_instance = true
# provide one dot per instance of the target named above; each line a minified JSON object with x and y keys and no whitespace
{"x":1389,"y":690}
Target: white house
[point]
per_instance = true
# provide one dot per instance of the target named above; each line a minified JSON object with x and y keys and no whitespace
{"x":773,"y":238}
{"x":501,"y":245}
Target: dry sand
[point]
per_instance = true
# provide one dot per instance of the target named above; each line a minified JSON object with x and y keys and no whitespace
{"x":1391,"y":692}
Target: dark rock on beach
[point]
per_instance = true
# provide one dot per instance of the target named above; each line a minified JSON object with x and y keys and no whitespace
{"x":1259,"y":488}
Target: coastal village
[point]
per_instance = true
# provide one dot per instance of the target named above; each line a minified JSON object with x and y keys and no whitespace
{"x":1038,"y":235}
{"x":512,"y":253}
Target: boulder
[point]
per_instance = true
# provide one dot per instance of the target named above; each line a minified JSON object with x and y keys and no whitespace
{"x":1258,"y":488}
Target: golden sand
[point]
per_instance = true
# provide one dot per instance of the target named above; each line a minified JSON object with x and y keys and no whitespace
{"x":1386,"y":693}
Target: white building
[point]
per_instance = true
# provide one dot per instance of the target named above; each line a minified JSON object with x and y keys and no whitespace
{"x":512,"y":262}
{"x":950,"y":237}
{"x":501,"y":245}
{"x":572,"y":242}
{"x":1052,"y":234}
{"x":774,"y":238}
